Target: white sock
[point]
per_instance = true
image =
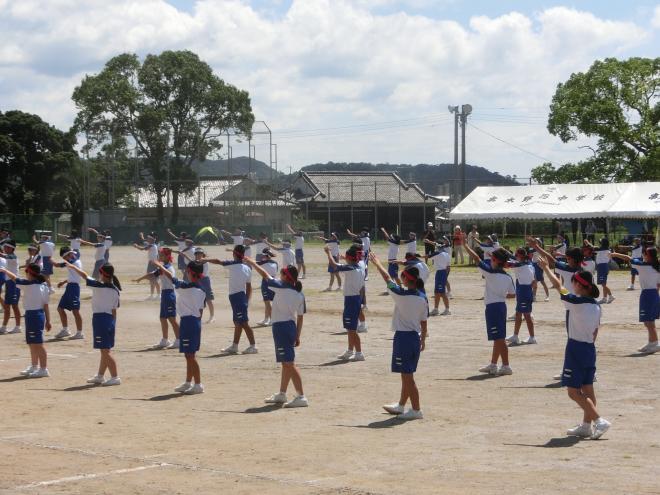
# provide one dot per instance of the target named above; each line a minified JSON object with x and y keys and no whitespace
{"x":588,"y":424}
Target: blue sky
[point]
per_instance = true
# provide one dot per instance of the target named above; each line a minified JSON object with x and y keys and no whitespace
{"x":344,"y":80}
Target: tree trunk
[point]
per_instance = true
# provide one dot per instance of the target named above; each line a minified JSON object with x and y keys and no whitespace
{"x":160,"y":214}
{"x":174,"y":216}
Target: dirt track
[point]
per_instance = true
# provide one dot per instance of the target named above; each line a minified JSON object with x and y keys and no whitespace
{"x":480,"y":435}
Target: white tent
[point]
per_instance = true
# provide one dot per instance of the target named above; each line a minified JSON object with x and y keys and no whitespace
{"x":561,"y":201}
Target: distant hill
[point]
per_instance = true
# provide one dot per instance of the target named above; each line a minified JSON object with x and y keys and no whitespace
{"x":434,"y":179}
{"x":240,"y":165}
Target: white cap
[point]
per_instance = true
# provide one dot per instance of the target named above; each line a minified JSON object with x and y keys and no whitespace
{"x":429,"y":224}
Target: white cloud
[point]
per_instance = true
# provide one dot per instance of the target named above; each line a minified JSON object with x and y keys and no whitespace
{"x":327,"y":64}
{"x":655,"y":22}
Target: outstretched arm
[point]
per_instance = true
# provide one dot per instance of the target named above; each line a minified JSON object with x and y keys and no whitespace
{"x":554,"y":280}
{"x":143,"y":277}
{"x":163,"y":270}
{"x":92,"y":230}
{"x":322,"y":238}
{"x":379,"y":266}
{"x":623,"y":257}
{"x":387,"y":236}
{"x":172,"y":234}
{"x":213,"y":261}
{"x":264,"y":274}
{"x":80,"y":272}
{"x":137,"y":246}
{"x":348,"y":231}
{"x":290,"y":229}
{"x":331,"y":260}
{"x":538,"y":247}
{"x":86,"y":243}
{"x":8,"y":273}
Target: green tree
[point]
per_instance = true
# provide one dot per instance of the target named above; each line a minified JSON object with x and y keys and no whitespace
{"x":37,"y":162}
{"x":618,"y":103}
{"x":171,"y":106}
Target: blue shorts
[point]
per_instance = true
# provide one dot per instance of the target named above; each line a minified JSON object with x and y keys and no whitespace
{"x":70,"y":300}
{"x":103,"y":325}
{"x":633,"y":271}
{"x":284,"y":336}
{"x":393,"y":270}
{"x":3,"y":279}
{"x":332,"y":269}
{"x":352,"y":306}
{"x":190,"y":334}
{"x":167,"y":303}
{"x":579,"y":364}
{"x":524,"y":298}
{"x":205,"y":285}
{"x":12,"y":293}
{"x":538,"y":273}
{"x":97,"y":268}
{"x":266,"y":293}
{"x":602,"y":270}
{"x":441,"y":281}
{"x":649,"y":305}
{"x":365,"y":256}
{"x":300,"y":256}
{"x":48,"y":266}
{"x":239,"y":307}
{"x":496,"y":320}
{"x":35,"y":319}
{"x":406,"y":348}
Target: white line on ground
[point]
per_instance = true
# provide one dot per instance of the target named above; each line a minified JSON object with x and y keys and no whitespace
{"x":86,"y":476}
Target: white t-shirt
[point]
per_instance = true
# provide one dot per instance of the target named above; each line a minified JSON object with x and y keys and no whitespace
{"x":72,"y":277}
{"x":190,"y":299}
{"x":410,"y":309}
{"x":488,"y":249}
{"x":636,"y":251}
{"x":288,"y":256}
{"x":392,"y":249}
{"x":35,"y":294}
{"x":334,"y":247}
{"x":422,"y":267}
{"x":47,"y":248}
{"x":589,"y":265}
{"x":411,"y":246}
{"x":583,"y":317}
{"x":561,"y":250}
{"x":152,"y":252}
{"x":270,"y":266}
{"x":649,"y":277}
{"x":258,"y":248}
{"x":565,"y":272}
{"x":440,"y":260}
{"x":366,"y":242}
{"x":180,"y":245}
{"x":108,"y":242}
{"x":603,"y":256}
{"x":12,"y":263}
{"x":75,"y":243}
{"x":165,"y":282}
{"x":498,"y":284}
{"x":99,"y":252}
{"x":240,"y":275}
{"x":288,"y":303}
{"x":299,"y":241}
{"x":237,"y":240}
{"x":524,"y":272}
{"x":105,"y":297}
{"x":353,"y":279}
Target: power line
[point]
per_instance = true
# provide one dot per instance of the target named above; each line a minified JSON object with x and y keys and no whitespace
{"x":357,"y":126}
{"x":509,"y":144}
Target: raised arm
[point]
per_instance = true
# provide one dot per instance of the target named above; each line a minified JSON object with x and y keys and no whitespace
{"x":86,"y":243}
{"x":322,"y":238}
{"x":379,"y":266}
{"x":172,"y":234}
{"x":62,"y":235}
{"x":472,"y":253}
{"x":290,"y":229}
{"x":80,"y":272}
{"x":331,"y":260}
{"x":387,"y":236}
{"x":348,"y":231}
{"x":623,"y":257}
{"x":538,"y":247}
{"x":34,"y":239}
{"x":554,"y":280}
{"x":264,"y":274}
{"x":163,"y":270}
{"x":92,"y":230}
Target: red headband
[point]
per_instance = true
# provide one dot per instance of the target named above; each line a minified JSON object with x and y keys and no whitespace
{"x":287,"y":275}
{"x":167,"y":252}
{"x":239,"y":255}
{"x":103,"y":272}
{"x":581,"y":281}
{"x":31,"y":271}
{"x":409,"y":276}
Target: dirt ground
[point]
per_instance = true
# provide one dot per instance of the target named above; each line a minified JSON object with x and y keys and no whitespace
{"x":479,"y":435}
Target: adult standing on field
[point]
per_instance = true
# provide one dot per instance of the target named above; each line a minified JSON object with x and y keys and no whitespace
{"x":473,"y":242}
{"x":429,"y":235}
{"x":458,"y":241}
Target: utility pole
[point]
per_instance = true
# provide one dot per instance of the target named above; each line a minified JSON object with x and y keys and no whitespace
{"x":454,"y":189}
{"x":461,"y":118}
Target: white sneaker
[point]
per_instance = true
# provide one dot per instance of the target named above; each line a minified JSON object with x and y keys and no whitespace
{"x":411,"y":414}
{"x":115,"y":380}
{"x":600,"y":427}
{"x":15,"y":330}
{"x":583,"y":430}
{"x":197,"y":388}
{"x":298,"y":401}
{"x":327,"y":289}
{"x":394,"y":408}
{"x":511,"y":318}
{"x":261,"y":323}
{"x":183,"y":387}
{"x":210,"y":320}
{"x":163,"y":344}
{"x":232,"y":349}
{"x":504,"y":370}
{"x":28,"y":370}
{"x":602,"y":301}
{"x":40,"y":373}
{"x":513,"y":339}
{"x":63,"y":333}
{"x":491,"y":369}
{"x":346,"y":355}
{"x":251,"y":350}
{"x":358,"y":356}
{"x":51,"y":290}
{"x":631,"y":287}
{"x":302,"y":277}
{"x":362,"y":327}
{"x":434,"y":312}
{"x":446,"y":312}
{"x":174,"y":344}
{"x":96,"y":380}
{"x":278,"y":398}
{"x":610,"y":299}
{"x":559,"y":376}
{"x":547,"y":298}
{"x":268,"y":323}
{"x":530,"y":340}
{"x":364,"y":307}
{"x":3,"y":330}
{"x":450,"y":295}
{"x":77,"y":336}
{"x":650,"y":348}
